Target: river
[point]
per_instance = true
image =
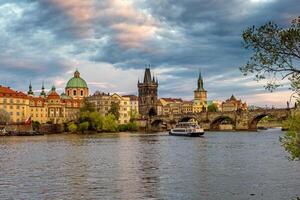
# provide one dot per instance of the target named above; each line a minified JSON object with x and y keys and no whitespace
{"x":220,"y":165}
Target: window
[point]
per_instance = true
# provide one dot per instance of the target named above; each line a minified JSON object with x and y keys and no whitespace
{"x":74,"y":92}
{"x":68,"y":93}
{"x":11,"y":107}
{"x":81,"y":92}
{"x":11,"y":100}
{"x":18,"y":114}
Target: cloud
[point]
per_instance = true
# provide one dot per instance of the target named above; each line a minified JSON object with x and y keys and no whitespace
{"x":111,"y":41}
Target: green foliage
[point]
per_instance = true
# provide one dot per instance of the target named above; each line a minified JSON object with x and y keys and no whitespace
{"x":131,"y":126}
{"x":212,"y":108}
{"x":83,"y":126}
{"x":87,"y":107}
{"x":275,"y":51}
{"x":291,"y":140}
{"x":72,"y":127}
{"x":110,"y":124}
{"x":123,"y":127}
{"x":4,"y":116}
{"x":36,"y":125}
{"x":114,"y":110}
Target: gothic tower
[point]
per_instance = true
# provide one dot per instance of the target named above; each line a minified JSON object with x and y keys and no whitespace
{"x":200,"y":96}
{"x":148,"y":95}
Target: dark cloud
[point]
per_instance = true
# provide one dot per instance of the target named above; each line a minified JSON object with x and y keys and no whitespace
{"x":40,"y":39}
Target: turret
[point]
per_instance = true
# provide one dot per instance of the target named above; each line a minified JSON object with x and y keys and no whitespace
{"x":43,"y":93}
{"x":30,"y":92}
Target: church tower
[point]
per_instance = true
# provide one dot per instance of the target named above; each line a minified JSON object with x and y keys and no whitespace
{"x":200,"y":96}
{"x":148,"y":95}
{"x":30,"y":92}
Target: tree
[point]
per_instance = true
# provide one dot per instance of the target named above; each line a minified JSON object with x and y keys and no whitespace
{"x":72,"y":127}
{"x":4,"y":116}
{"x":291,"y":140}
{"x":212,"y":108}
{"x":83,"y":126}
{"x":276,"y":51}
{"x":110,"y":124}
{"x":114,"y":109}
{"x":87,"y":106}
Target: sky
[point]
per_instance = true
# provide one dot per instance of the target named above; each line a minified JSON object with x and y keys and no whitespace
{"x":111,"y":41}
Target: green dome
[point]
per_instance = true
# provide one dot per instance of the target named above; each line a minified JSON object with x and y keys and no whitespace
{"x":76,"y":82}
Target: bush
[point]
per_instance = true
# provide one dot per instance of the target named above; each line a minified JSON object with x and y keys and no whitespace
{"x":83,"y":126}
{"x":72,"y":127}
{"x":123,"y":127}
{"x":291,"y":140}
{"x":132,"y":126}
{"x":36,"y":125}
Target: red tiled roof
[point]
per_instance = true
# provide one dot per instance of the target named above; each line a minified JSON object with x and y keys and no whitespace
{"x":53,"y":95}
{"x":8,"y":92}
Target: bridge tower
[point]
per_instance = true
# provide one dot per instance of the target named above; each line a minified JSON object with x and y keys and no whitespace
{"x":200,"y":97}
{"x":148,"y":95}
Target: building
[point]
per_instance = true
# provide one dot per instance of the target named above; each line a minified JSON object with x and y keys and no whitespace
{"x":45,"y":108}
{"x":124,"y":108}
{"x":217,"y":103}
{"x":171,"y":106}
{"x":232,"y":104}
{"x":147,"y":95}
{"x":15,"y":103}
{"x":101,"y":102}
{"x":52,"y":107}
{"x":200,"y":97}
{"x":77,"y":87}
{"x":134,"y":104}
{"x":128,"y":105}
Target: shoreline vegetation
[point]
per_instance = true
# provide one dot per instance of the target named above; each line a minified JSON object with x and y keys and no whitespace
{"x":92,"y":121}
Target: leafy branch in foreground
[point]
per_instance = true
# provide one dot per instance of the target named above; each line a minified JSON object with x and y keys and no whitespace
{"x":276,"y":54}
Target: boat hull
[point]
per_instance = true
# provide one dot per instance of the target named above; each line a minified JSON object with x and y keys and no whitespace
{"x":192,"y":134}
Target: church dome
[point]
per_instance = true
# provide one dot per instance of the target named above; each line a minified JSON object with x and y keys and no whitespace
{"x":76,"y":81}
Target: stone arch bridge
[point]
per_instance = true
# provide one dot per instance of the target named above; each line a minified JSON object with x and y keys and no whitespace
{"x":240,"y":120}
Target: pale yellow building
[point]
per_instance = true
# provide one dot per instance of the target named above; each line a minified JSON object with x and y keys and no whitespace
{"x":45,"y":108}
{"x":124,"y":108}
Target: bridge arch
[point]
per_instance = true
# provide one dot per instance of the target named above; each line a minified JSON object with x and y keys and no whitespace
{"x":215,"y":124}
{"x":188,"y":118}
{"x":256,"y":119}
{"x":158,"y":125}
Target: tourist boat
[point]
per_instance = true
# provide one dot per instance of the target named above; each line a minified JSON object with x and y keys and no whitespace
{"x":187,"y":129}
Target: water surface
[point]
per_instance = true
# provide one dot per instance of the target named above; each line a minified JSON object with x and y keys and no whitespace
{"x":230,"y":165}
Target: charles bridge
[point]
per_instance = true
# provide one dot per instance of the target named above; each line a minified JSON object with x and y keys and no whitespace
{"x":240,"y":120}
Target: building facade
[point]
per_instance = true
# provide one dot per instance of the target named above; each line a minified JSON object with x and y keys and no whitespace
{"x":171,"y":106}
{"x":52,"y":107}
{"x":147,"y":95}
{"x":128,"y":105}
{"x":45,"y":108}
{"x":200,"y":97}
{"x":232,"y":104}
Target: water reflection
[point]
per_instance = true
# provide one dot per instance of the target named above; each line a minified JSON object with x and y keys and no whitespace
{"x":132,"y":166}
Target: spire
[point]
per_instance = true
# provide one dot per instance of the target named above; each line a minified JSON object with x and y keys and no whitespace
{"x":53,"y":88}
{"x":147,"y":76}
{"x":43,"y":90}
{"x":200,"y":82}
{"x":30,"y":92}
